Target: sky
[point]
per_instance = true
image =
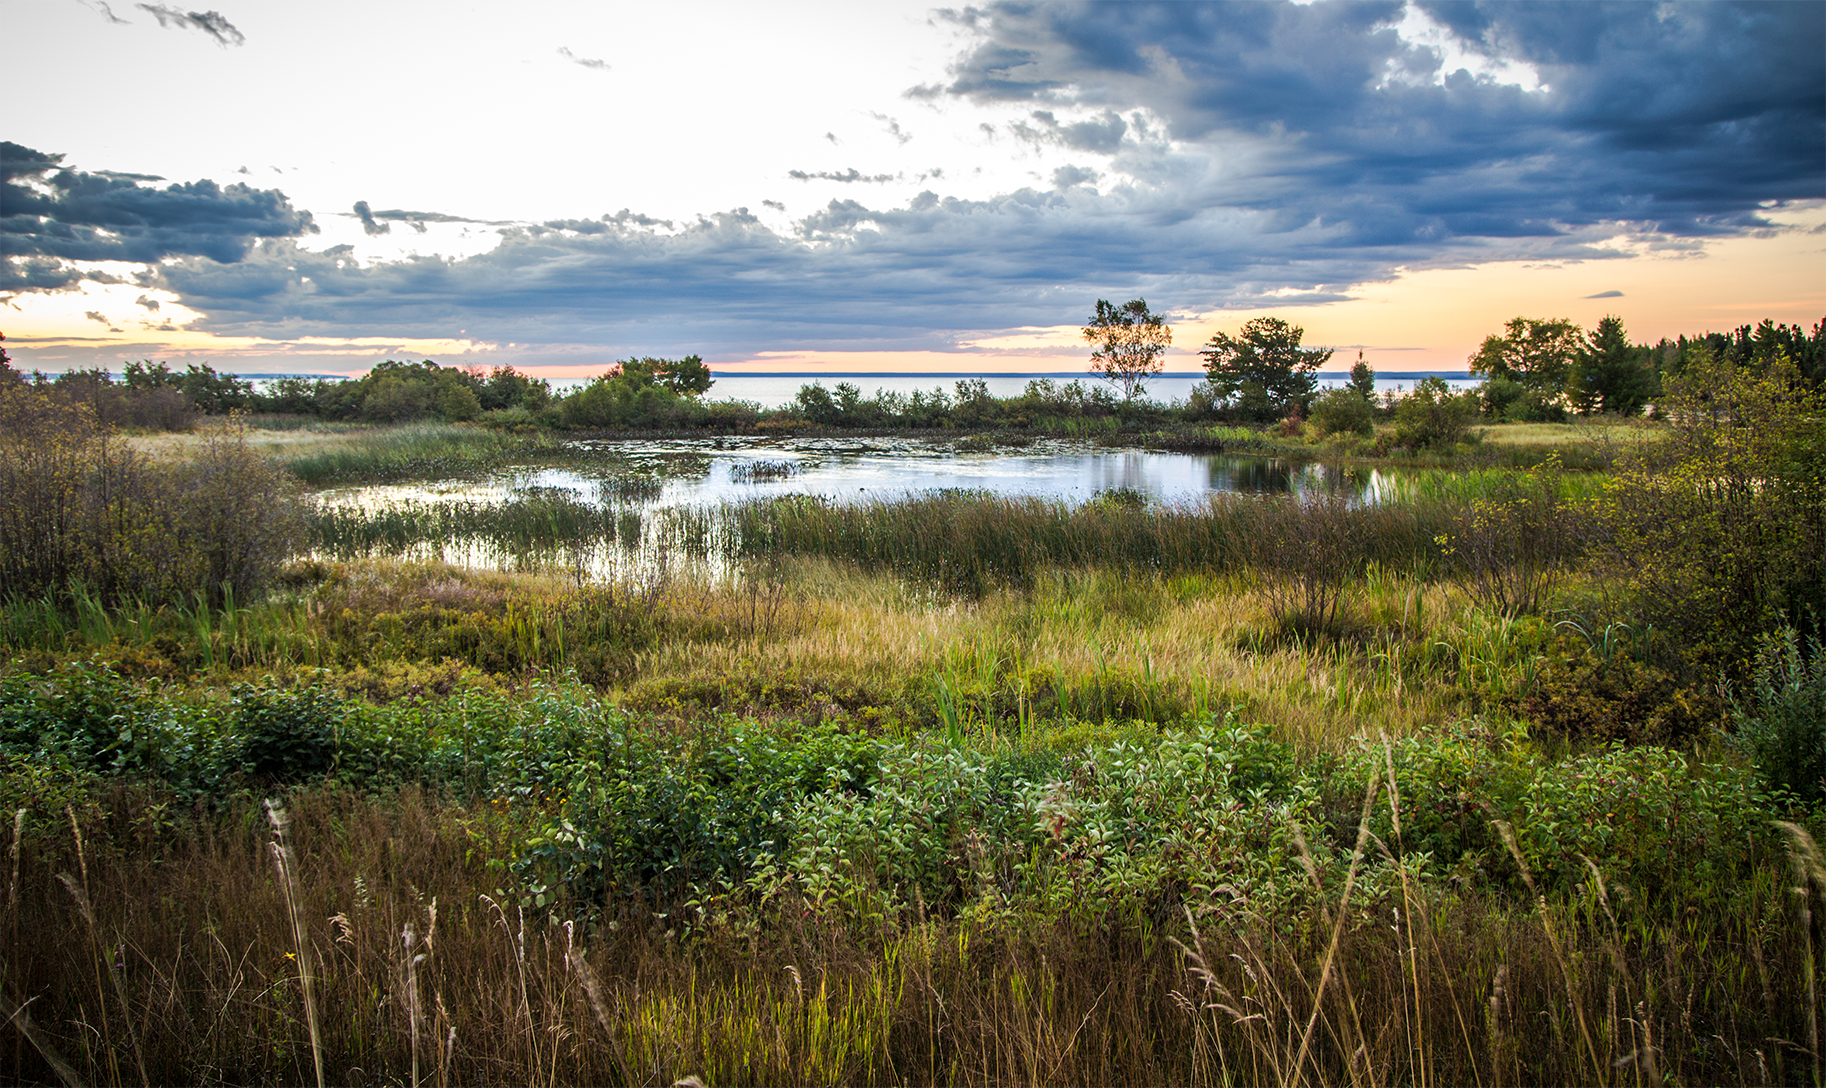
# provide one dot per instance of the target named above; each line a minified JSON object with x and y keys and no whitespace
{"x":889,"y":186}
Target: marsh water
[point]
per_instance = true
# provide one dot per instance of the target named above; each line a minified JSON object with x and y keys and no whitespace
{"x":636,"y":489}
{"x":703,"y":472}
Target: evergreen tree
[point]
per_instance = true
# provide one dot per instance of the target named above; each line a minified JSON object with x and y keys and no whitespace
{"x":1612,"y":375}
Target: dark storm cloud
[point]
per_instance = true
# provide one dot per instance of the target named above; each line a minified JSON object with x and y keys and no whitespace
{"x":1245,"y":155}
{"x":1101,"y":134}
{"x":1677,"y":118}
{"x":212,"y":23}
{"x":50,"y":214}
{"x":148,"y":302}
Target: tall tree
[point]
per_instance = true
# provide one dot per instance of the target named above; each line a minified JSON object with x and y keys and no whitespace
{"x":1535,"y":353}
{"x":1264,"y":372}
{"x":1130,"y":341}
{"x":1612,"y":375}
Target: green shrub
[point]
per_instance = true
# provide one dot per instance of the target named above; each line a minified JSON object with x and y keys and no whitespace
{"x":288,"y":736}
{"x":82,"y":514}
{"x":1343,"y":411}
{"x":1434,"y":417}
{"x":1718,"y":533}
{"x":1783,"y":726}
{"x":1599,"y":691}
{"x":1536,"y":406}
{"x":1510,"y":543}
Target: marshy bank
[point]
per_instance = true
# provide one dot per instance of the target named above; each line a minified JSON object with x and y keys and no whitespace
{"x":1436,"y":782}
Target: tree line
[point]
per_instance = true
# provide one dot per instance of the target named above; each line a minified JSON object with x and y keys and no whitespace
{"x":1534,"y":370}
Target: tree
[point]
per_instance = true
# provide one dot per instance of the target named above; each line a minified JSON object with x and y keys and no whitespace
{"x":1538,"y":354}
{"x":1264,"y":371}
{"x":1131,"y":340}
{"x":9,"y":375}
{"x":1612,"y":374}
{"x":687,"y":377}
{"x":1362,"y":379}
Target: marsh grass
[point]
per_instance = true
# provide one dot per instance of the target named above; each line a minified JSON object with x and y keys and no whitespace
{"x":414,"y":452}
{"x":528,"y":527}
{"x":756,"y":471}
{"x":1365,"y":969}
{"x":968,"y":543}
{"x":810,"y":636}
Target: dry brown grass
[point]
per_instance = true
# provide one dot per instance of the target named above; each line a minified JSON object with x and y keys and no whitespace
{"x":1200,"y":641}
{"x":427,"y":973}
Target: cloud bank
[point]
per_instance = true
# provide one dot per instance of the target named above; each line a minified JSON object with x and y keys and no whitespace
{"x":50,"y":216}
{"x":1679,"y":118}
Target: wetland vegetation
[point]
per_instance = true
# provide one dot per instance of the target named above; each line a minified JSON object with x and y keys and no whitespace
{"x":1508,"y":770}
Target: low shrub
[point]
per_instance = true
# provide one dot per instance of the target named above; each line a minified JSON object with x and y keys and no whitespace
{"x":1599,"y":691}
{"x":1343,"y":411}
{"x":288,"y":735}
{"x":1781,"y":726}
{"x":1433,"y":417}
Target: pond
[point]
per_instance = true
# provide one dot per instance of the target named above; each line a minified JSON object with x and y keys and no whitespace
{"x":611,"y":507}
{"x":707,"y":472}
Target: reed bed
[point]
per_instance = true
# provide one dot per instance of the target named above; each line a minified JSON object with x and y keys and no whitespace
{"x":539,"y":524}
{"x":969,"y":543}
{"x":428,"y":451}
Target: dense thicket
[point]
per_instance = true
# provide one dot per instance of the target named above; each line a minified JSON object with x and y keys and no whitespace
{"x":82,"y":513}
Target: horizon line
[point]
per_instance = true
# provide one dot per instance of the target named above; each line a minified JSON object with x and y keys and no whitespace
{"x":1037,"y":374}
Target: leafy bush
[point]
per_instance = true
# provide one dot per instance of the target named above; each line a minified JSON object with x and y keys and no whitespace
{"x":239,"y":517}
{"x":1783,"y":727}
{"x":81,"y":512}
{"x":639,"y":819}
{"x":1343,"y":411}
{"x":1305,"y":552}
{"x":1433,"y":417}
{"x":1598,"y":691}
{"x":1718,"y":533}
{"x":288,"y":736}
{"x":1510,"y":544}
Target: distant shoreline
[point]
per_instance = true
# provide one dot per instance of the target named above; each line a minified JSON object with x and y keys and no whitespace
{"x":1193,"y":374}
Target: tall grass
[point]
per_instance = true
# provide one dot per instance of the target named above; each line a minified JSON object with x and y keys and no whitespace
{"x":1363,"y":968}
{"x":970,"y":543}
{"x":540,"y":524}
{"x":427,"y":451}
